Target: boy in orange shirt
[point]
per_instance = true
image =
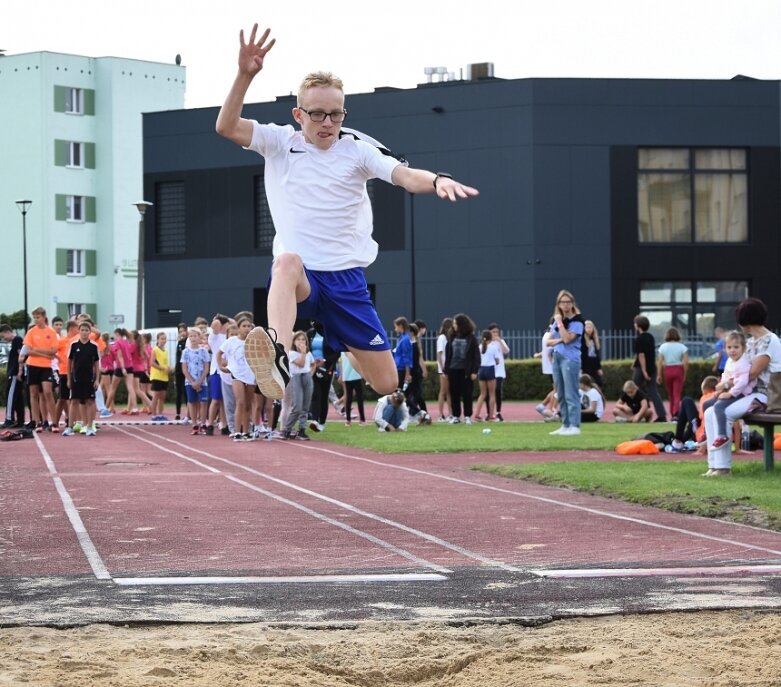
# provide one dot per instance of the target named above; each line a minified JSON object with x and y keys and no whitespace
{"x":41,"y":341}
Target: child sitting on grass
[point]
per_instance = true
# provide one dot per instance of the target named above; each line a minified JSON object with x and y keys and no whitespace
{"x":633,"y":405}
{"x":690,"y":416}
{"x":592,"y":402}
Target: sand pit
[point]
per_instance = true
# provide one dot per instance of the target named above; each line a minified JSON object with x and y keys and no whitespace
{"x":702,"y":648}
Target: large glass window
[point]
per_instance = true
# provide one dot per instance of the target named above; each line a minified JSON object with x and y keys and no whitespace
{"x":170,"y":218}
{"x":693,"y":307}
{"x":692,"y":195}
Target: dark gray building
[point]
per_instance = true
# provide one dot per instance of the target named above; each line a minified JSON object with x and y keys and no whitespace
{"x":653,"y":196}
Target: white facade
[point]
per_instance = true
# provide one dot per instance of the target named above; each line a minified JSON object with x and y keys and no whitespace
{"x":71,"y":142}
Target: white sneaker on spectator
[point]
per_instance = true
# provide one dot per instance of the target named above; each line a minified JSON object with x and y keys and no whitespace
{"x":560,"y":431}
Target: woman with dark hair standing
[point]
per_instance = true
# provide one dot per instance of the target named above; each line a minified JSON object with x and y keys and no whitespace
{"x":566,"y":334}
{"x":462,"y":361}
{"x":763,"y":350}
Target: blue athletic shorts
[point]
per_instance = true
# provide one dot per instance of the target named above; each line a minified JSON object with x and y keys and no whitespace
{"x":215,"y":387}
{"x":194,"y":396}
{"x":340,"y":301}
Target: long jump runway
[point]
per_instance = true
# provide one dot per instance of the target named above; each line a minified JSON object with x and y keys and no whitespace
{"x":149,"y":524}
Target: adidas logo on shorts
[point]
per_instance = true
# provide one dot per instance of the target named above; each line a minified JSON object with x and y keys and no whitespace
{"x":377,"y":341}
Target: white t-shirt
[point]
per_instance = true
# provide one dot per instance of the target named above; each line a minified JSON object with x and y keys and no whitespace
{"x":500,"y":369}
{"x":589,"y":397}
{"x":492,"y":353}
{"x":318,"y":198}
{"x":306,"y":368}
{"x":233,"y":351}
{"x":215,"y":341}
{"x":441,"y":345}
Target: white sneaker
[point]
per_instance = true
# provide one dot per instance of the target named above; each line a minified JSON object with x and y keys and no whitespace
{"x":467,"y":420}
{"x":560,"y":430}
{"x":620,"y":419}
{"x":571,"y":431}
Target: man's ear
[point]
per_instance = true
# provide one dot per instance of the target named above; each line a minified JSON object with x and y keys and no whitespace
{"x":297,"y":115}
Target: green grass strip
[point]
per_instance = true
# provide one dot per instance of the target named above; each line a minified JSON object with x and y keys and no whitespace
{"x":749,"y":496}
{"x":504,"y":436}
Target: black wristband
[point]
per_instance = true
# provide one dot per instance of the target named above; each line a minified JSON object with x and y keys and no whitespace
{"x":441,"y":174}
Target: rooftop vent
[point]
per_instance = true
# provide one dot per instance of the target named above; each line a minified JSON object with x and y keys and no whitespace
{"x":438,"y":74}
{"x":479,"y":70}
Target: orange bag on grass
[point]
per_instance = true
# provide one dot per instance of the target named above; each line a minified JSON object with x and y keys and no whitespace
{"x":777,"y":441}
{"x":642,"y":447}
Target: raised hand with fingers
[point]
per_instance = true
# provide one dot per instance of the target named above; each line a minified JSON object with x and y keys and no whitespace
{"x":252,"y":53}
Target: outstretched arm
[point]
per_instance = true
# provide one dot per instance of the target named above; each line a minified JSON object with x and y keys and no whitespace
{"x":251,"y":55}
{"x":423,"y":181}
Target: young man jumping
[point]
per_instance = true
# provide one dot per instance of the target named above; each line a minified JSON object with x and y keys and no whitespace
{"x":316,"y":188}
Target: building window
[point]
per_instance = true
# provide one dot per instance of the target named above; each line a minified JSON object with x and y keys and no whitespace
{"x":74,"y":208}
{"x":692,"y":195}
{"x":694,"y":307}
{"x":74,"y":101}
{"x":76,"y":309}
{"x":75,"y":154}
{"x":170,"y":218}
{"x":75,"y":263}
{"x":264,"y":224}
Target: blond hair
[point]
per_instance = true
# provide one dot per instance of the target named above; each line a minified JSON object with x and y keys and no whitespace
{"x":319,"y":80}
{"x":568,"y":294}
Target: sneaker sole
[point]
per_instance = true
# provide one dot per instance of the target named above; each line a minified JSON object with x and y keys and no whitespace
{"x":261,"y":354}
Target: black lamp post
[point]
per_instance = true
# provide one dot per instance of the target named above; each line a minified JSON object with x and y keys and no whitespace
{"x":24,"y":206}
{"x":141,"y":206}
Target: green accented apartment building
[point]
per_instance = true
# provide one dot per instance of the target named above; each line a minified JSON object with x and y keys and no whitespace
{"x":71,"y":142}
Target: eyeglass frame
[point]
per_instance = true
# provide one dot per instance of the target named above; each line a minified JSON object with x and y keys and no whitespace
{"x":325,"y":114}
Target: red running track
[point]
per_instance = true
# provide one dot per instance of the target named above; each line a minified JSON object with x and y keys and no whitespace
{"x":140,"y":501}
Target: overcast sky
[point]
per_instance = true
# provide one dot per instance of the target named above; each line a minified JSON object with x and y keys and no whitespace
{"x":371,"y":44}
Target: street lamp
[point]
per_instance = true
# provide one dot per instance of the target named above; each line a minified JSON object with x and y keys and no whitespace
{"x":141,"y":206}
{"x":24,"y":206}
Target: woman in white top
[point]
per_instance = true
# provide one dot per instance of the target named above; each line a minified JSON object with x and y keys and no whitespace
{"x":490,"y":353}
{"x":501,"y":371}
{"x":444,"y":389}
{"x":763,"y":349}
{"x":672,"y":368}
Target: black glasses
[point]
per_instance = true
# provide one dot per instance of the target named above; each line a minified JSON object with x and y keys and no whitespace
{"x":319,"y":116}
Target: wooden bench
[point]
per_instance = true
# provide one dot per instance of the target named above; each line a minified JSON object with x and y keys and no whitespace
{"x":767,"y":421}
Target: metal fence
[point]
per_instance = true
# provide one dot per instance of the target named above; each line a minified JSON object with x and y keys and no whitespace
{"x":616,"y":344}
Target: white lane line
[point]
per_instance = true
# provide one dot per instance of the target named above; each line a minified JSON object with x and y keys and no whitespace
{"x":331,"y":521}
{"x":353,"y":509}
{"x":294,"y":579}
{"x":93,"y":557}
{"x":555,"y":502}
{"x":662,"y":572}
